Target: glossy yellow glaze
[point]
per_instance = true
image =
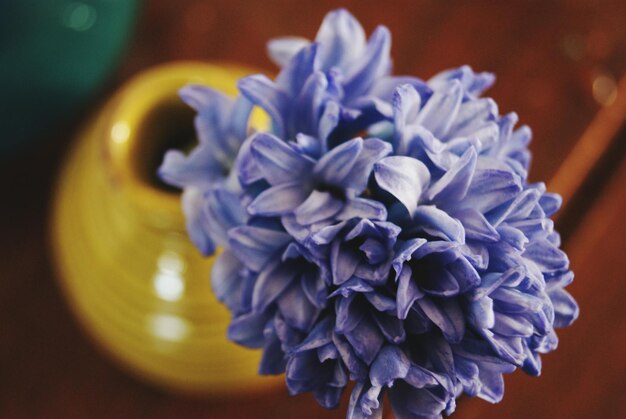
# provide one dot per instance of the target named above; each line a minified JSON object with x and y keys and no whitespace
{"x":132,"y":277}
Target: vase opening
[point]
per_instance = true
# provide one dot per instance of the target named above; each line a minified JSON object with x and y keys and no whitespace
{"x":169,"y":125}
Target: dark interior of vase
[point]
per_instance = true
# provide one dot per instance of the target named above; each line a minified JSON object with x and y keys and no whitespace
{"x":168,"y":126}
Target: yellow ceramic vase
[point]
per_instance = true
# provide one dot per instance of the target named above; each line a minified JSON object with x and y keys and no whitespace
{"x":131,"y":275}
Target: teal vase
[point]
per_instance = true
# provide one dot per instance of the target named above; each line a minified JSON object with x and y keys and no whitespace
{"x":53,"y":55}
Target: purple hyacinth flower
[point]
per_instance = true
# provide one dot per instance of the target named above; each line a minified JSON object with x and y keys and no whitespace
{"x":418,"y":262}
{"x":209,"y":185}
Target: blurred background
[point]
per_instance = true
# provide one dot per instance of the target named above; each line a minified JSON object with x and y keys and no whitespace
{"x":560,"y":65}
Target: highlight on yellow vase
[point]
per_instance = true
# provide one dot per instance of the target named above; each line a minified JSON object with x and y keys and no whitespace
{"x":132,"y":277}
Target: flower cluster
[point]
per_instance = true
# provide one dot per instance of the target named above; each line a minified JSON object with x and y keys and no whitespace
{"x":382,"y":231}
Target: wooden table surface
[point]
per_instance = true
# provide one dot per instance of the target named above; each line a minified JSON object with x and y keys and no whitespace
{"x":557,"y":63}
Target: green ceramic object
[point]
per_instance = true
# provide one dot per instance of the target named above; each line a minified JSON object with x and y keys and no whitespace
{"x":53,"y":55}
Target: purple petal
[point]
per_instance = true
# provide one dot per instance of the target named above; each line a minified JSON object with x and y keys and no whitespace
{"x":355,"y":410}
{"x":278,"y":161}
{"x":550,"y":203}
{"x":512,"y":325}
{"x":319,"y":336}
{"x":408,"y":292}
{"x":341,"y":39}
{"x":510,"y":300}
{"x":225,"y":276}
{"x":343,"y":262}
{"x":347,"y":318}
{"x":491,"y":188}
{"x":404,"y":252}
{"x":519,"y":208}
{"x":314,"y":287}
{"x":223,"y":211}
{"x":476,"y":225}
{"x":199,"y":168}
{"x":438,"y":223}
{"x":512,"y":236}
{"x":447,"y":315}
{"x":493,"y":280}
{"x":263,"y":92}
{"x":441,"y":109}
{"x":381,"y":302}
{"x":453,"y":185}
{"x":390,"y":364}
{"x":247,"y":329}
{"x":328,"y":121}
{"x":358,"y":177}
{"x":480,"y":313}
{"x":195,"y":221}
{"x":272,"y":281}
{"x":472,"y":115}
{"x":374,"y":251}
{"x":406,"y":106}
{"x":409,"y":402}
{"x":246,"y":166}
{"x":404,"y":178}
{"x":358,"y":370}
{"x":293,"y":76}
{"x":372,"y":65}
{"x":296,"y":309}
{"x":565,"y":308}
{"x":473,"y":83}
{"x":317,"y":207}
{"x":351,"y":286}
{"x":366,"y":340}
{"x":273,"y":360}
{"x":391,"y":326}
{"x":256,"y":246}
{"x":363,"y":208}
{"x":329,"y":396}
{"x":281,"y":50}
{"x":492,"y":388}
{"x":278,"y":200}
{"x":334,"y":166}
{"x":547,"y":256}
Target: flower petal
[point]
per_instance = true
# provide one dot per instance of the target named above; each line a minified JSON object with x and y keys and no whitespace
{"x":225,"y":278}
{"x":296,"y":309}
{"x":343,"y":262}
{"x":278,"y":200}
{"x":247,"y":329}
{"x":447,"y":315}
{"x":407,"y":294}
{"x":476,"y":225}
{"x":278,"y":161}
{"x":292,"y":77}
{"x":453,"y":185}
{"x":440,"y":111}
{"x":390,"y":364}
{"x":366,"y":340}
{"x":363,"y":208}
{"x":281,"y":50}
{"x":404,"y":178}
{"x":255,"y":246}
{"x":334,"y":166}
{"x":263,"y":92}
{"x":272,"y":281}
{"x":370,"y":66}
{"x":565,"y":308}
{"x":317,"y":207}
{"x":438,"y":223}
{"x":358,"y":177}
{"x":341,"y":39}
{"x":195,"y":221}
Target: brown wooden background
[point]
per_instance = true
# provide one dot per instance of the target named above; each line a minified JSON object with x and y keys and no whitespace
{"x":556,"y":63}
